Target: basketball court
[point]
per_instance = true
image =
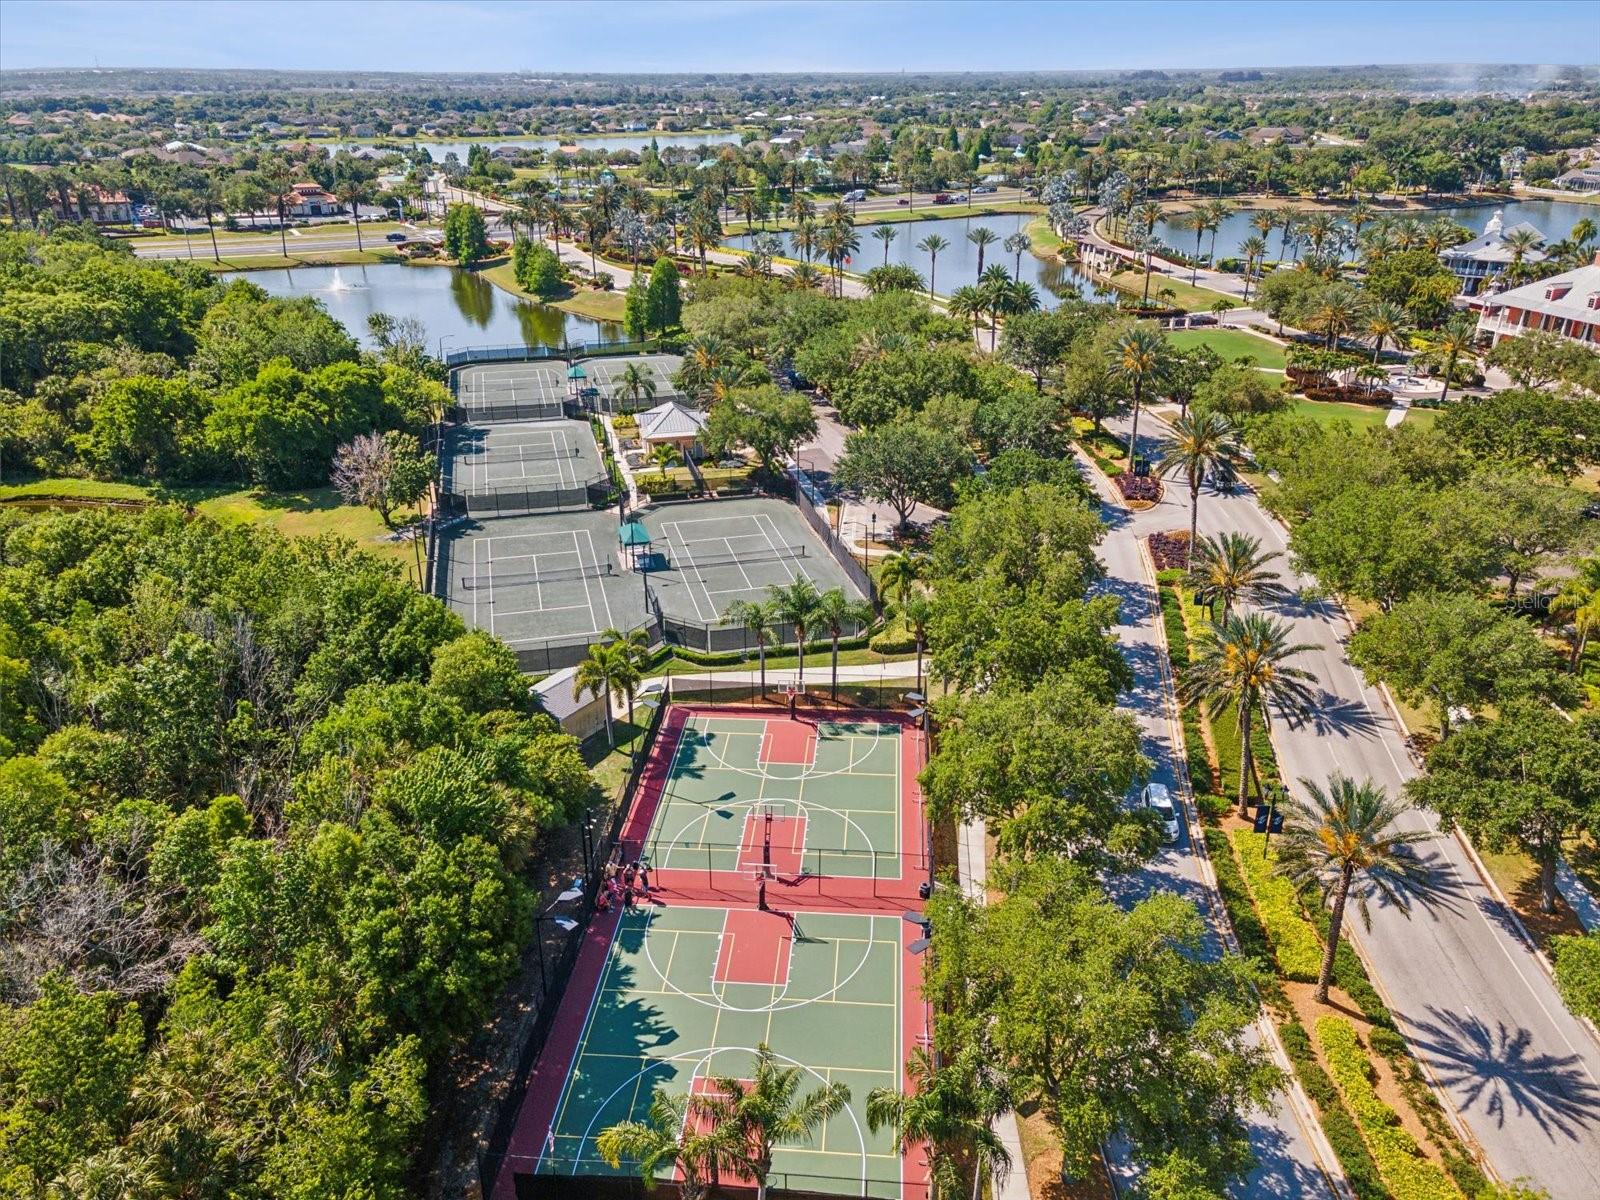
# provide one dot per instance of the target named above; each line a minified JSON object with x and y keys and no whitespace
{"x":821,"y":966}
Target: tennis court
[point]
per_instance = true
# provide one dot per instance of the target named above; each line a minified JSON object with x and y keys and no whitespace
{"x":605,"y":374}
{"x":522,"y":466}
{"x":512,"y":391}
{"x":792,"y":798}
{"x":710,"y":554}
{"x":680,"y":991}
{"x":533,"y":578}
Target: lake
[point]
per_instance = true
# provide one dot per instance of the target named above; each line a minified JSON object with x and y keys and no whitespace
{"x":957,"y":264}
{"x":461,"y":307}
{"x":1553,"y":218}
{"x":632,"y":141}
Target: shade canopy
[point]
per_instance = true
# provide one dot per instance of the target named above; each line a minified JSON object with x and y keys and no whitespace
{"x":633,"y":534}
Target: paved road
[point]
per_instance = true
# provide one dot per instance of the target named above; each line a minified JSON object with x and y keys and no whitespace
{"x":1468,"y":991}
{"x":1289,"y":1146}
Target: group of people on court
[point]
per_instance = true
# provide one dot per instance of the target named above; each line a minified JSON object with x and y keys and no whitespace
{"x":625,"y":884}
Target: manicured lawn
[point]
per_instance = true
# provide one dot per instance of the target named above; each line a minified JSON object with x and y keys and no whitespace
{"x":309,"y":512}
{"x":866,"y":220}
{"x":1232,"y":344}
{"x":1184,"y":295}
{"x":603,"y":306}
{"x":1362,"y":416}
{"x":307,"y":258}
{"x":1044,"y":239}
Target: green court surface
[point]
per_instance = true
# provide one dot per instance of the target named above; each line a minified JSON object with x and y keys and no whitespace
{"x":794,"y":798}
{"x":676,"y":1006}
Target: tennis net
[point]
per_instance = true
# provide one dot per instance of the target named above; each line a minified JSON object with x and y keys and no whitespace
{"x":510,"y":454}
{"x":473,"y":583}
{"x":686,"y":559}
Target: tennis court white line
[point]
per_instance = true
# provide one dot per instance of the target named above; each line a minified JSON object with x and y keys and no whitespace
{"x":595,"y":559}
{"x":670,"y":528}
{"x":588,"y":600}
{"x":768,"y":530}
{"x":528,"y":612}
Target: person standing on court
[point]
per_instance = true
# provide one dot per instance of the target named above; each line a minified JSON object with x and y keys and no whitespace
{"x":761,"y":893}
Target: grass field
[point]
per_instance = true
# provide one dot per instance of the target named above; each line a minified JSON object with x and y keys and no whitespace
{"x":309,"y":512}
{"x":308,"y":258}
{"x":602,"y":306}
{"x":1184,"y":295}
{"x":1231,"y":344}
{"x":865,"y":220}
{"x":1362,"y":416}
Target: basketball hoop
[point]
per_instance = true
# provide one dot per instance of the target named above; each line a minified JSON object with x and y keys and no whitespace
{"x":791,"y":693}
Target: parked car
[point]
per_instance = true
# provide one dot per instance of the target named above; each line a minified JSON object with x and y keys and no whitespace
{"x":396,"y":236}
{"x":1159,"y":801}
{"x":984,"y":189}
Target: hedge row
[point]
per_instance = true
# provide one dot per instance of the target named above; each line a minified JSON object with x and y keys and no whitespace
{"x":1294,"y":939}
{"x":1200,"y":782}
{"x":1344,"y":1135}
{"x":1408,"y":1174}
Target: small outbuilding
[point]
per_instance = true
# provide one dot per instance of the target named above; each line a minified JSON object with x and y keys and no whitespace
{"x":582,"y":718}
{"x":672,"y":424}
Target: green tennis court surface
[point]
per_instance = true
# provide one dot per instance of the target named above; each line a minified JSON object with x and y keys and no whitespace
{"x":788,"y":798}
{"x":688,"y":993}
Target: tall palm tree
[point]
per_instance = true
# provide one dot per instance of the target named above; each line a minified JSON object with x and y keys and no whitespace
{"x":607,"y":669}
{"x":949,"y":1110}
{"x":1202,"y":444}
{"x":634,"y":645}
{"x":768,"y":1110}
{"x":760,"y":621}
{"x":354,"y":192}
{"x":635,"y":382}
{"x":1254,"y":249}
{"x":1018,"y":243}
{"x":1520,"y":242}
{"x":931,"y":245}
{"x":1579,"y":602}
{"x":918,"y":612}
{"x":670,"y":1138}
{"x":1336,"y":835}
{"x":1318,"y":227}
{"x":277,"y":177}
{"x":1457,"y":337}
{"x":969,"y":301}
{"x":836,"y":613}
{"x":1232,"y":567}
{"x":982,"y":237}
{"x":1338,"y":309}
{"x":899,"y":573}
{"x":795,"y":604}
{"x":1217,"y":211}
{"x":1140,"y":357}
{"x":1243,"y":664}
{"x":1264,"y":221}
{"x":1013,"y":297}
{"x":1386,"y":321}
{"x":885,"y":234}
{"x":804,"y":239}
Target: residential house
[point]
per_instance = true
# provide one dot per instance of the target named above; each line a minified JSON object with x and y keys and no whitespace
{"x":1567,"y":304}
{"x":1583,"y":179}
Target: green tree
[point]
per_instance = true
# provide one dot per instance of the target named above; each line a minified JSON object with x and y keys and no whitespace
{"x":1456,"y":652}
{"x":537,"y":268}
{"x":903,"y":465}
{"x":1232,"y":567}
{"x":663,"y":301}
{"x":760,"y":621}
{"x":1341,"y":842}
{"x":899,"y":573}
{"x":1243,"y":664}
{"x":1048,"y":769}
{"x":772,"y":423}
{"x":1554,"y":431}
{"x":669,"y":1140}
{"x":1577,"y":962}
{"x":931,"y":246}
{"x":1202,"y":445}
{"x":796,"y":604}
{"x":606,"y":670}
{"x":480,"y":673}
{"x":837,"y":613}
{"x":635,"y":309}
{"x":466,"y":237}
{"x":1036,"y":342}
{"x":1139,"y":358}
{"x":1110,"y":1021}
{"x":950,"y":1110}
{"x":768,"y":1110}
{"x":1528,"y":778}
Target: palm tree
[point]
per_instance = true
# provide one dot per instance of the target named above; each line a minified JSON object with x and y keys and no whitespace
{"x":918,"y":612}
{"x":634,"y":646}
{"x":1338,"y":834}
{"x":760,"y":621}
{"x":885,"y":234}
{"x":1010,"y":298}
{"x":1520,"y":242}
{"x":931,"y":245}
{"x":1243,"y":664}
{"x":607,"y":669}
{"x":949,"y":1110}
{"x":1457,"y":337}
{"x":1579,"y":601}
{"x":664,"y":455}
{"x":1254,"y":249}
{"x":968,"y":301}
{"x":1263,"y":221}
{"x":1318,"y":227}
{"x":1217,"y":211}
{"x":1232,"y":567}
{"x":899,"y":573}
{"x":1202,"y":444}
{"x":795,"y":604}
{"x":804,"y":239}
{"x":1017,"y":243}
{"x":354,"y":192}
{"x":1140,"y":357}
{"x":669,"y":1138}
{"x":1386,"y":321}
{"x":277,"y":177}
{"x":1338,"y":309}
{"x":804,"y":275}
{"x":635,"y":382}
{"x":836,"y":612}
{"x":982,"y":237}
{"x":768,"y":1110}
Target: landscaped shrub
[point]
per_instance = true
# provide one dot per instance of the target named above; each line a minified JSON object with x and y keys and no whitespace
{"x":895,"y":638}
{"x":1294,"y":940}
{"x":1135,"y":487}
{"x":1578,"y":973}
{"x":1247,"y":925}
{"x":1170,"y":550}
{"x":1343,"y":1134}
{"x":1408,"y":1174}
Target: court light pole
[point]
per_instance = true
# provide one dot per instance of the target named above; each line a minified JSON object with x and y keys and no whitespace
{"x":567,"y":896}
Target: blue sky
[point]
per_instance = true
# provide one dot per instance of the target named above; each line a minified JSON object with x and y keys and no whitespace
{"x":788,"y":35}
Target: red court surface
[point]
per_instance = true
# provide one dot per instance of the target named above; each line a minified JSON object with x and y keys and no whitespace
{"x":700,"y":1121}
{"x":775,"y":844}
{"x":792,"y":743}
{"x":755,"y":948}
